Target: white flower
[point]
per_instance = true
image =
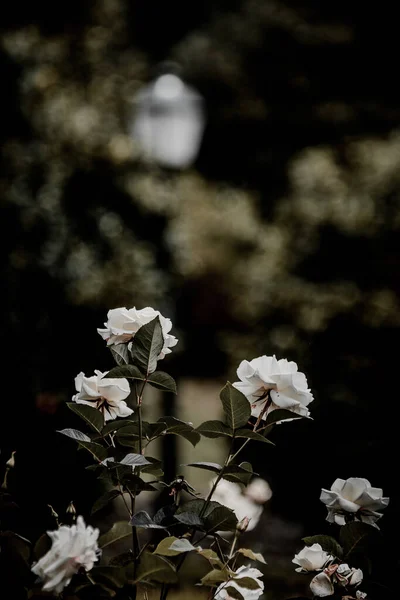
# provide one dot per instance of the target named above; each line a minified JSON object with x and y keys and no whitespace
{"x":72,"y":548}
{"x":346,"y":575}
{"x":355,"y":496}
{"x":230,"y":494}
{"x":360,"y":595}
{"x":123,"y":323}
{"x":321,"y":585}
{"x":311,"y":558}
{"x":258,"y":490}
{"x":286,"y":385}
{"x":248,"y":594}
{"x":106,"y":394}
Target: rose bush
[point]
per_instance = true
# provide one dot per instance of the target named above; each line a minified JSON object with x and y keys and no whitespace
{"x":353,"y":497}
{"x":280,"y":381}
{"x":106,"y":394}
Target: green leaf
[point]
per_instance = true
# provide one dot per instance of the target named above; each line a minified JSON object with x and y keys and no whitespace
{"x":154,"y":430}
{"x":127,"y":372}
{"x":239,"y":473}
{"x":172,"y":546}
{"x":113,"y":426}
{"x":162,"y":381}
{"x":191,"y":519}
{"x":212,"y":557}
{"x":236,"y":406}
{"x":214,"y":429}
{"x":252,"y":555}
{"x":97,"y":451}
{"x":181,"y":428}
{"x":120,"y":353}
{"x":135,"y":460}
{"x":119,"y":531}
{"x":42,"y":546}
{"x":123,"y":560}
{"x":233,"y":592}
{"x":216,"y":517}
{"x":248,"y":583}
{"x":327,"y":543}
{"x":112,"y":576}
{"x":92,"y":416}
{"x":208,"y":466}
{"x":215,"y":577}
{"x":281,"y":414}
{"x":153,"y":567}
{"x":182,"y":545}
{"x":105,"y":499}
{"x":75,"y":434}
{"x":147,"y":345}
{"x":143,"y":519}
{"x":252,"y":435}
{"x":356,"y":537}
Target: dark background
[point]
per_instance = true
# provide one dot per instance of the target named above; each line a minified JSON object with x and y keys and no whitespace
{"x":282,"y":237}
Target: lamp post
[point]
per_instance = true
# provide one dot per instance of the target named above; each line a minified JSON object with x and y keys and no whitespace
{"x":169,"y":121}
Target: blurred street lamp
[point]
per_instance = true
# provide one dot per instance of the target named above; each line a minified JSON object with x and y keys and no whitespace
{"x":169,"y":121}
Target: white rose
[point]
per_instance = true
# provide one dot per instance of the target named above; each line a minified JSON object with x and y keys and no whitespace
{"x":230,"y":494}
{"x":360,"y":595}
{"x":106,"y":394}
{"x":123,"y":323}
{"x":286,"y":385}
{"x":72,"y":548}
{"x":223,"y":594}
{"x":321,"y":585}
{"x":311,"y":558}
{"x":258,"y":490}
{"x":356,"y":496}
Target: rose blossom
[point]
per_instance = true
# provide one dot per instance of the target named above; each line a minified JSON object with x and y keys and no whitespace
{"x":123,"y":323}
{"x":72,"y":548}
{"x":230,"y":494}
{"x":258,"y":490}
{"x":343,"y":575}
{"x":311,"y":558}
{"x":355,"y":496}
{"x":248,"y":594}
{"x":287,"y":386}
{"x":106,"y":394}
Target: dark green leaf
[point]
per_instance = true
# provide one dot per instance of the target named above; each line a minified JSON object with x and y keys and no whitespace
{"x":248,"y":583}
{"x":125,"y":371}
{"x":215,"y":577}
{"x":75,"y":434}
{"x":216,"y":517}
{"x":281,"y":414}
{"x":147,"y":345}
{"x":327,"y":543}
{"x":252,"y":435}
{"x":92,"y":416}
{"x":42,"y":546}
{"x":105,"y":499}
{"x":113,"y":426}
{"x":98,"y":452}
{"x":191,"y":519}
{"x":356,"y":537}
{"x":208,"y":466}
{"x":122,"y":560}
{"x":162,"y":381}
{"x":214,"y":429}
{"x":143,"y":519}
{"x":236,"y":406}
{"x":153,"y":567}
{"x":128,"y":436}
{"x":135,"y":460}
{"x":120,"y":353}
{"x":252,"y":555}
{"x":181,"y":428}
{"x":119,"y":531}
{"x":212,"y":557}
{"x":112,"y":576}
{"x":164,"y":547}
{"x":154,"y":468}
{"x":233,"y":592}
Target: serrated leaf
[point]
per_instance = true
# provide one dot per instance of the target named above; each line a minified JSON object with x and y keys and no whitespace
{"x":120,"y":353}
{"x":189,"y":519}
{"x":119,"y":531}
{"x":92,"y":416}
{"x":153,"y":567}
{"x":327,"y":543}
{"x":281,"y":414}
{"x":208,"y":466}
{"x":143,"y":519}
{"x":75,"y":434}
{"x":126,"y":372}
{"x":214,"y":429}
{"x":104,"y":500}
{"x":252,"y":435}
{"x":215,"y":577}
{"x":97,"y":451}
{"x":252,"y":555}
{"x":147,"y":345}
{"x":236,"y":406}
{"x":162,"y":381}
{"x":135,"y":460}
{"x":211,"y":556}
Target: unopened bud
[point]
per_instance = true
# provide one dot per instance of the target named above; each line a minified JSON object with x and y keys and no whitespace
{"x":11,"y":461}
{"x":71,"y":510}
{"x":243,"y":524}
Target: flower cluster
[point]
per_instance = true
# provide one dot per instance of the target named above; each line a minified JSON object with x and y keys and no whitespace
{"x":73,"y":548}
